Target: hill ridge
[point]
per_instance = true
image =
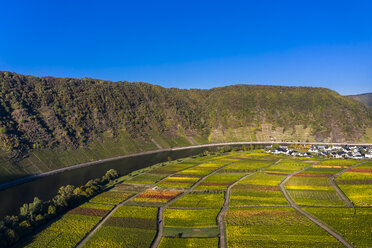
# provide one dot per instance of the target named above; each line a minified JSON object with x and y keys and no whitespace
{"x":49,"y":122}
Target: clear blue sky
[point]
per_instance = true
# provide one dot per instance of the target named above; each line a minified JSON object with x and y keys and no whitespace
{"x":192,"y":44}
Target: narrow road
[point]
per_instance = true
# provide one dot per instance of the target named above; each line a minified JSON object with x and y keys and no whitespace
{"x":90,"y":234}
{"x":222,"y":241}
{"x":340,"y":193}
{"x":161,"y":209}
{"x":224,"y":209}
{"x":312,"y":218}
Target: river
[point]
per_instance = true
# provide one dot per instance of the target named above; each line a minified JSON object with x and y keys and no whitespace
{"x":45,"y":188}
{"x":11,"y":199}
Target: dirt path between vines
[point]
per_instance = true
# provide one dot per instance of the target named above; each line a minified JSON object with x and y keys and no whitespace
{"x":310,"y":217}
{"x":340,"y":193}
{"x":102,"y":221}
{"x":225,"y":206}
{"x":161,"y":209}
{"x":224,"y":209}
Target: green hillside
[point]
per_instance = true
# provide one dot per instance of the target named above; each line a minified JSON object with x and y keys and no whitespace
{"x":48,"y":123}
{"x":364,"y":98}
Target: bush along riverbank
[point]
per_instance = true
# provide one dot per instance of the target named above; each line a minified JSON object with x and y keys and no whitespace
{"x":33,"y":215}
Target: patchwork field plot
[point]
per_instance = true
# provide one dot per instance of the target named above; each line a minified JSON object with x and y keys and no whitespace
{"x":199,"y":199}
{"x":316,"y":197}
{"x":128,"y":187}
{"x":71,"y":228}
{"x":356,"y":183}
{"x":248,"y":165}
{"x":219,"y":181}
{"x":237,"y":199}
{"x":190,"y":217}
{"x":147,"y":178}
{"x":286,"y":167}
{"x":167,"y":170}
{"x":189,"y":242}
{"x":129,"y":226}
{"x":184,"y":232}
{"x":257,"y":156}
{"x":179,"y":181}
{"x":312,"y":186}
{"x":339,"y":162}
{"x":111,"y":197}
{"x":354,"y":224}
{"x":259,"y":189}
{"x":274,"y":227}
{"x":154,"y":197}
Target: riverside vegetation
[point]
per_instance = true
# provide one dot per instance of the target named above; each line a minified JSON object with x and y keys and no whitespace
{"x":33,"y":215}
{"x":48,"y":123}
{"x":238,"y":192}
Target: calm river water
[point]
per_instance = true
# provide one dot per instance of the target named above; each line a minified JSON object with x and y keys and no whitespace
{"x":45,"y":188}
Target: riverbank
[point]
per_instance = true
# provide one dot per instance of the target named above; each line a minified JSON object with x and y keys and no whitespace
{"x":82,"y":165}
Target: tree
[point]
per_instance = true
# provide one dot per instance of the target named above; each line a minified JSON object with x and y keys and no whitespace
{"x":90,"y":183}
{"x":39,"y":218}
{"x":32,"y":209}
{"x":78,"y":192}
{"x":25,"y":226}
{"x":51,"y":210}
{"x":89,"y":191}
{"x":225,"y":149}
{"x":66,"y":191}
{"x":112,"y":174}
{"x":24,"y":210}
{"x":60,"y":201}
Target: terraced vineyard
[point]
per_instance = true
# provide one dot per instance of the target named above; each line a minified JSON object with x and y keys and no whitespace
{"x":238,"y":199}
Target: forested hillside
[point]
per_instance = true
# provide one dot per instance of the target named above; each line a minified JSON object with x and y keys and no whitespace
{"x":49,"y":122}
{"x":364,"y":98}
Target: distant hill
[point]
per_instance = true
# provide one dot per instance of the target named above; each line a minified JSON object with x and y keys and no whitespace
{"x":364,"y":98}
{"x":48,"y":123}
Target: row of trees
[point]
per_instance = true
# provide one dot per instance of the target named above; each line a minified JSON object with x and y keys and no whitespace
{"x":33,"y":215}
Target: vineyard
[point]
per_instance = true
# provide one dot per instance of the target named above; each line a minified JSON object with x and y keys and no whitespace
{"x":233,"y":199}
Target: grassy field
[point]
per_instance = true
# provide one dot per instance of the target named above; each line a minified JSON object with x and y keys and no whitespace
{"x":354,"y":224}
{"x":189,"y":242}
{"x":274,"y":227}
{"x":311,"y":187}
{"x":258,"y":214}
{"x":191,"y":217}
{"x":129,"y":226}
{"x":219,"y":181}
{"x":259,"y":189}
{"x":287,"y":167}
{"x":247,"y":165}
{"x":71,"y":228}
{"x":356,"y":183}
{"x":199,"y":199}
{"x":193,"y":232}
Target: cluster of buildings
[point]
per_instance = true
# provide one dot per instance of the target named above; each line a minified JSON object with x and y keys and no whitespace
{"x":352,"y":152}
